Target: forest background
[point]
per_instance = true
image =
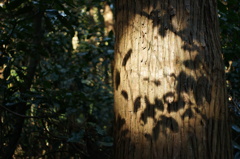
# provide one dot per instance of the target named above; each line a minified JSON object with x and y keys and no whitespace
{"x":56,"y":97}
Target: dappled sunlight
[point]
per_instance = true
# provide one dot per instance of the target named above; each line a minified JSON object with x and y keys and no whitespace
{"x":167,"y":87}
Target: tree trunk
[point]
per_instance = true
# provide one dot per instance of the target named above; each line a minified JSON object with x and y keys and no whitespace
{"x":169,"y":82}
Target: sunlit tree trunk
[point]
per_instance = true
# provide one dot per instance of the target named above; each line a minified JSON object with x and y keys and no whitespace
{"x":169,"y":83}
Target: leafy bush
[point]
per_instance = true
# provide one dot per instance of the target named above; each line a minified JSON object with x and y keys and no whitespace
{"x":56,"y":96}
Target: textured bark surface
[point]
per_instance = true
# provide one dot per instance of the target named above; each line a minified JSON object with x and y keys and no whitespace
{"x":169,"y":86}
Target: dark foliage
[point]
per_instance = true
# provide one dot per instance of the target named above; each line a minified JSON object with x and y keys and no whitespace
{"x":229,"y":17}
{"x":55,"y":85}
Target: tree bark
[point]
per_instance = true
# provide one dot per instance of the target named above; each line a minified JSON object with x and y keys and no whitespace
{"x":169,"y":82}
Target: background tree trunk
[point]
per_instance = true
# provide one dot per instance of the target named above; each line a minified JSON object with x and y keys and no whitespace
{"x":170,"y":96}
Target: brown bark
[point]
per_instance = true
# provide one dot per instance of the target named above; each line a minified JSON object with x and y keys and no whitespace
{"x":170,"y":95}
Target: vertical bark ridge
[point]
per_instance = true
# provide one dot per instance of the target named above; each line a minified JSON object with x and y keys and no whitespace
{"x":169,"y":98}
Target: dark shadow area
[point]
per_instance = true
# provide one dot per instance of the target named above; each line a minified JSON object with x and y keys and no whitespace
{"x":175,"y":101}
{"x":126,"y":57}
{"x":188,"y":113}
{"x":169,"y":98}
{"x":120,"y":122}
{"x":204,"y":117}
{"x":124,"y":94}
{"x":137,"y":104}
{"x":186,"y":83}
{"x":117,"y":79}
{"x":123,"y":137}
{"x":155,"y":81}
{"x":162,"y":124}
{"x":193,"y":64}
{"x":201,"y":88}
{"x":150,"y":110}
{"x":165,"y":17}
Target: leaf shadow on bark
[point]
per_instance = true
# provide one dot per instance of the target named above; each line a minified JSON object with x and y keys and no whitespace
{"x":185,"y":83}
{"x":194,"y":43}
{"x":117,"y":79}
{"x":126,"y":57}
{"x":201,"y":89}
{"x":151,"y":108}
{"x":166,"y":16}
{"x":162,"y":125}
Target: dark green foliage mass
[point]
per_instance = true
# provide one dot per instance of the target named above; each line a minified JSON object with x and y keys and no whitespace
{"x":55,"y":98}
{"x":229,"y":18}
